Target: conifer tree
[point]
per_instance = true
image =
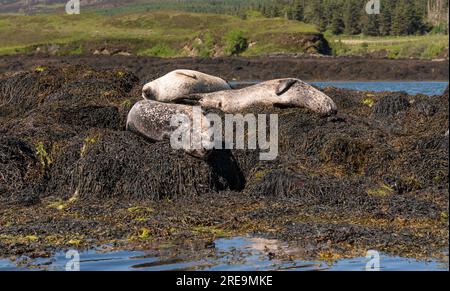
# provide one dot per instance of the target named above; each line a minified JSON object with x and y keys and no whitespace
{"x":352,"y":17}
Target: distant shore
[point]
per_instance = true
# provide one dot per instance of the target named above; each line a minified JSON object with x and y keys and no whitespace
{"x":309,"y":68}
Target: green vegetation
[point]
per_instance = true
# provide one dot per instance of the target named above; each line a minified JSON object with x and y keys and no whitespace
{"x":159,"y":50}
{"x":163,"y":34}
{"x":402,"y":17}
{"x":423,"y":47}
{"x":247,"y":28}
{"x":235,"y":43}
{"x":205,"y":46}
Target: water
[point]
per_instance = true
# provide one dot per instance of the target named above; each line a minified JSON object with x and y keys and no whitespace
{"x":239,"y":253}
{"x":427,"y":88}
{"x":242,"y":253}
{"x":412,"y":88}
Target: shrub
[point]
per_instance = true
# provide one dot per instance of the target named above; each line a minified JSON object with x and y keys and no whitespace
{"x":159,"y":50}
{"x":206,"y":48}
{"x":235,"y":43}
{"x":339,"y":48}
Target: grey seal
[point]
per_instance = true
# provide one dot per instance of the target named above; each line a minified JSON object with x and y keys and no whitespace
{"x":281,"y":92}
{"x":155,"y":121}
{"x":180,"y":83}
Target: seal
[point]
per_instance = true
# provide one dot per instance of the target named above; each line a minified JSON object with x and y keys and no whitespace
{"x":280,"y":92}
{"x":180,"y":83}
{"x":157,"y":121}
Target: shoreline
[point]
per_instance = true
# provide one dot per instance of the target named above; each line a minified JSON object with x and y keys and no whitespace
{"x":311,"y":69}
{"x":375,"y":176}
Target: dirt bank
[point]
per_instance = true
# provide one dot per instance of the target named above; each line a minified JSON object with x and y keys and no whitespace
{"x":256,"y":68}
{"x":375,"y":176}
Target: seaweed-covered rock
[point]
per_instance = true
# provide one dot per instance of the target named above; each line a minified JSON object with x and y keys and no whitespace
{"x":425,"y":107}
{"x":68,"y":85}
{"x":20,"y":171}
{"x":391,"y":105}
{"x":107,"y":164}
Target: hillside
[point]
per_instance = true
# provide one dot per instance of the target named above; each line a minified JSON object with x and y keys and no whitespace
{"x":164,"y":34}
{"x":125,"y":27}
{"x":40,"y":6}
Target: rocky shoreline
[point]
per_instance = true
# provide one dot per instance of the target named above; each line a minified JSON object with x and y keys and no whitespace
{"x":375,"y":176}
{"x":308,"y":68}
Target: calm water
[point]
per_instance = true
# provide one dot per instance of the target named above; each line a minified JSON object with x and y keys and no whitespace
{"x":242,"y":253}
{"x":427,"y":88}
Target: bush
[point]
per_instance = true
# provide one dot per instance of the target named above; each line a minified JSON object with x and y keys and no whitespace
{"x":205,"y":48}
{"x":159,"y":50}
{"x":339,"y":48}
{"x":433,"y":50}
{"x":235,"y":43}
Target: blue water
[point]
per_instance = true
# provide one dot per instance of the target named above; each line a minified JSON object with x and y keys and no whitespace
{"x":426,"y":88}
{"x":412,"y":88}
{"x":239,"y":253}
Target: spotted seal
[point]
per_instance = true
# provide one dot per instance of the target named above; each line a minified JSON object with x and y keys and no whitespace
{"x":282,"y":92}
{"x":179,"y":83}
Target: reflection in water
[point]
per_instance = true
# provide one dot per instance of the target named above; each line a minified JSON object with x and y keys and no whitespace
{"x":238,"y":254}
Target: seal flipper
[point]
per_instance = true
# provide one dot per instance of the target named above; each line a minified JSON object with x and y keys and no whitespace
{"x":284,"y":86}
{"x":192,"y":75}
{"x":191,"y":99}
{"x":187,"y":101}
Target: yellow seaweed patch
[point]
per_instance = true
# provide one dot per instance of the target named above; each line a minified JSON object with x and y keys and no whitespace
{"x":144,"y":233}
{"x":75,"y":242}
{"x":87,"y":142}
{"x":61,"y":204}
{"x":44,"y":157}
{"x":381,"y":191}
{"x":32,"y":238}
{"x":39,"y":69}
{"x":368,"y":102}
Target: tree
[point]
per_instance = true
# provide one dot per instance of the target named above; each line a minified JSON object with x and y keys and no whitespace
{"x":414,"y":20}
{"x":385,"y":18}
{"x":372,"y":26}
{"x":298,"y":11}
{"x":399,"y":24}
{"x":337,"y":23}
{"x":352,"y":17}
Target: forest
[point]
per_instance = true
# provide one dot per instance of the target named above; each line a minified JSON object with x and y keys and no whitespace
{"x":401,"y":17}
{"x":349,"y":17}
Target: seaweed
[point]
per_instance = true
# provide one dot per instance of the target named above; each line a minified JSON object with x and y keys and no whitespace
{"x":374,"y":175}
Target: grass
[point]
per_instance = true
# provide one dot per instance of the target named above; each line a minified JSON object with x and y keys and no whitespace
{"x":174,"y":34}
{"x":163,"y":34}
{"x":422,"y":47}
